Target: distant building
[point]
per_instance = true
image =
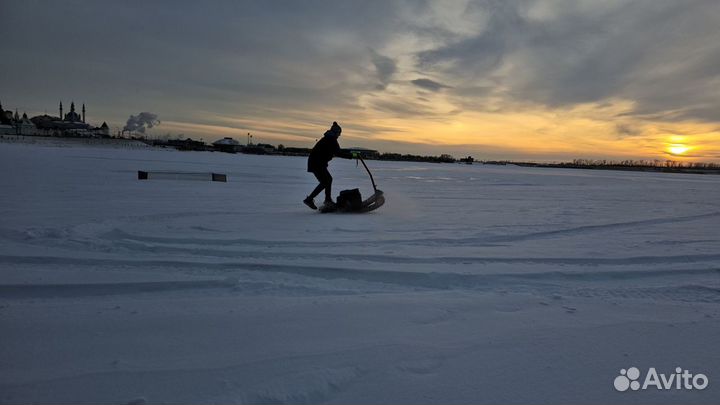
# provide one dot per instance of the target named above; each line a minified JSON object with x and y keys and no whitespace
{"x":24,"y":126}
{"x":468,"y":160}
{"x":70,"y":124}
{"x":365,"y":153}
{"x":258,"y":149}
{"x":186,"y":144}
{"x":13,"y":124}
{"x":7,"y":130}
{"x":104,"y":129}
{"x":292,"y":151}
{"x":227,"y":144}
{"x":73,"y":116}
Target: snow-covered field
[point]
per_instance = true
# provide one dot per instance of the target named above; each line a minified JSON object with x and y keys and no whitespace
{"x":473,"y":284}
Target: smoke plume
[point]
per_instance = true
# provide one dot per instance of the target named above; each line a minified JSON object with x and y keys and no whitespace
{"x":140,"y":122}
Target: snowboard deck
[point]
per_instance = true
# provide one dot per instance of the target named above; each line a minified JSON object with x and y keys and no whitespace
{"x":372,"y":203}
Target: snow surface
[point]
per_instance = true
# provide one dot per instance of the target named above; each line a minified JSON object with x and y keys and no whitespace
{"x":473,"y":284}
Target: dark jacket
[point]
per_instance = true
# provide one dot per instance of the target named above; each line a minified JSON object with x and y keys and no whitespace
{"x":323,"y":152}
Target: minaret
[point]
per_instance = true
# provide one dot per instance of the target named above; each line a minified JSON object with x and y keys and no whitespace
{"x":61,"y":116}
{"x":83,"y":112}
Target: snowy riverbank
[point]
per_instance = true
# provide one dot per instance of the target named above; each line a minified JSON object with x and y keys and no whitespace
{"x":473,"y":284}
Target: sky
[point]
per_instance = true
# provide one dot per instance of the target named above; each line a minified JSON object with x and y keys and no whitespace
{"x":539,"y":80}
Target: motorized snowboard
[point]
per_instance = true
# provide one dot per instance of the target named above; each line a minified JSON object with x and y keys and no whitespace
{"x":350,"y":201}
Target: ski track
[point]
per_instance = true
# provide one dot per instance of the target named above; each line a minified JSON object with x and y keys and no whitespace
{"x":116,"y":234}
{"x":476,"y":240}
{"x":585,"y":284}
{"x":267,"y":256}
{"x":122,"y":242}
{"x":449,"y":260}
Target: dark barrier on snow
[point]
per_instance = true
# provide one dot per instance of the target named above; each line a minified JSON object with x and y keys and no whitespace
{"x":219,"y":177}
{"x":165,"y":175}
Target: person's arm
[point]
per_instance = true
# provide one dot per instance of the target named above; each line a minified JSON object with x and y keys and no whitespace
{"x":346,"y":154}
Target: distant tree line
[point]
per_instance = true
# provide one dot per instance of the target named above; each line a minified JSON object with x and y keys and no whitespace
{"x":417,"y":158}
{"x":644,"y":163}
{"x":671,"y":166}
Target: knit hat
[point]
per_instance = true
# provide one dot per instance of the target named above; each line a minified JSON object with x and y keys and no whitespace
{"x":335,"y":128}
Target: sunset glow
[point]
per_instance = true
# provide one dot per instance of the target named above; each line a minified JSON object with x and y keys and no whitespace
{"x":678,"y":149}
{"x":534,"y":80}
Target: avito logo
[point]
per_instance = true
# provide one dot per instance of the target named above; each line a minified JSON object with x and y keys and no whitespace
{"x":679,"y":380}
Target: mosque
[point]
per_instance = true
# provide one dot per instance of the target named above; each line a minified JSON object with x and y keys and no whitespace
{"x":70,"y":124}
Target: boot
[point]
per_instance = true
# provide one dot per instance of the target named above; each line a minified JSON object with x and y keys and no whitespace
{"x":310,"y":203}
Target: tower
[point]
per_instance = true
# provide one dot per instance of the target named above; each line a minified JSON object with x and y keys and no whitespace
{"x":83,"y":111}
{"x":61,"y":115}
{"x":72,"y":106}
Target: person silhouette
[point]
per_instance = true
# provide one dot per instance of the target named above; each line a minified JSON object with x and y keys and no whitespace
{"x":322,"y":153}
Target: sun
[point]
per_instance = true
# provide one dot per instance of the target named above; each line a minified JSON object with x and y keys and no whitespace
{"x":678,"y":149}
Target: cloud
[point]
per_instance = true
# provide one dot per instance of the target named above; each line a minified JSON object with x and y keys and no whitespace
{"x":627,"y":130}
{"x":181,"y":58}
{"x":559,"y":53}
{"x":385,"y":68}
{"x":403,"y":108}
{"x":428,"y":84}
{"x":293,"y":66}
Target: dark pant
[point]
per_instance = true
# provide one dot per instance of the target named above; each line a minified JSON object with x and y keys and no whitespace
{"x":325,"y":180}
